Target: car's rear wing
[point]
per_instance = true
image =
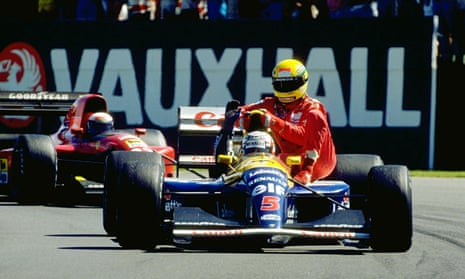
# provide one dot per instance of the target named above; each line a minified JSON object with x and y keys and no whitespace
{"x":36,"y":103}
{"x":197,"y":129}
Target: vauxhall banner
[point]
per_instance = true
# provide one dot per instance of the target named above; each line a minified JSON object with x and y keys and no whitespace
{"x":374,"y":76}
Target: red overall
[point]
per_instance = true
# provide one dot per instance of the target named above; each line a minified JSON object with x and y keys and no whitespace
{"x":299,"y":127}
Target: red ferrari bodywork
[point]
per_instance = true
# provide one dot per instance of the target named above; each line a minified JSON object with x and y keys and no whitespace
{"x":73,"y":144}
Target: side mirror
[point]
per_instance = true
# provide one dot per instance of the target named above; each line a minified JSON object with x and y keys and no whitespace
{"x":79,"y":132}
{"x":225,"y":159}
{"x":140,"y":131}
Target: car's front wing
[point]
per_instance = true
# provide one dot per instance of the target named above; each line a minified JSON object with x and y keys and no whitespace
{"x":192,"y":222}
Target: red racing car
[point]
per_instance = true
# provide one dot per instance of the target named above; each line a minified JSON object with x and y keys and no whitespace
{"x":36,"y":166}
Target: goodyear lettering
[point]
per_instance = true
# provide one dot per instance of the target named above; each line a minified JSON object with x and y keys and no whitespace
{"x":39,"y":96}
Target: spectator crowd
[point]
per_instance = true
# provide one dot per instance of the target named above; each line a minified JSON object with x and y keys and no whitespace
{"x":450,"y":14}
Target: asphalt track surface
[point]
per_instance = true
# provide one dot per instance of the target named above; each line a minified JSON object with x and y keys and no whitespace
{"x":70,"y":242}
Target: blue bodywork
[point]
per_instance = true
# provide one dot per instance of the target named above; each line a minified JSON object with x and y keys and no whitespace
{"x":261,"y":201}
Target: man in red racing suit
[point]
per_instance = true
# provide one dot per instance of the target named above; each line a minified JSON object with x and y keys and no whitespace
{"x":301,"y":127}
{"x":298,"y":123}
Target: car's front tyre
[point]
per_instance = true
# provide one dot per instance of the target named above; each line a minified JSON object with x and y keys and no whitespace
{"x":138,"y":202}
{"x":390,"y":208}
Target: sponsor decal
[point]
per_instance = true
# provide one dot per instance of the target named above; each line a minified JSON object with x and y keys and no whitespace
{"x":3,"y":171}
{"x":262,"y":179}
{"x":256,"y":143}
{"x":133,"y":143}
{"x":335,"y":235}
{"x":270,"y":217}
{"x":202,"y":159}
{"x":40,"y":96}
{"x":207,"y":119}
{"x":295,"y":117}
{"x":269,"y":171}
{"x":3,"y":177}
{"x":269,"y":188}
{"x":171,"y":204}
{"x":217,"y":233}
{"x":3,"y":164}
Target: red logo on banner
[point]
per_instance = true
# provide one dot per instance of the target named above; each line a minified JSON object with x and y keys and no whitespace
{"x":21,"y":69}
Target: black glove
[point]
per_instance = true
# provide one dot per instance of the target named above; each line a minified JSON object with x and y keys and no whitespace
{"x":229,"y":119}
{"x":232,"y":105}
{"x":232,"y":112}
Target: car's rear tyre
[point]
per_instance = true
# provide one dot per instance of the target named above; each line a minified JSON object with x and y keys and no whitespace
{"x":390,"y":208}
{"x":138,"y":205}
{"x":34,"y":169}
{"x":354,"y":169}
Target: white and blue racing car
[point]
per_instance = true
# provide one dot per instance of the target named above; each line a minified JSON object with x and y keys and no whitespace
{"x":256,"y":203}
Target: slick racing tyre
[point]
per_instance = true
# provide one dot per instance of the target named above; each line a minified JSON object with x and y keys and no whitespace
{"x":390,"y":208}
{"x":138,"y":207}
{"x":113,"y":167}
{"x":34,"y":169}
{"x":153,"y":137}
{"x":354,"y":169}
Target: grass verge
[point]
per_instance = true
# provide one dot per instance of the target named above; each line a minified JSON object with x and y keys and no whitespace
{"x":437,"y":173}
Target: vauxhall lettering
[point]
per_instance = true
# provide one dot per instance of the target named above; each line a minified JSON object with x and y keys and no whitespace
{"x":140,"y":95}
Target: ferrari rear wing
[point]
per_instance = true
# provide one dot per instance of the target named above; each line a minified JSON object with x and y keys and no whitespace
{"x":36,"y":103}
{"x":202,"y":124}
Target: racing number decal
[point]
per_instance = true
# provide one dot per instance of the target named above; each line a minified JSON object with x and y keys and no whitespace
{"x":270,"y":203}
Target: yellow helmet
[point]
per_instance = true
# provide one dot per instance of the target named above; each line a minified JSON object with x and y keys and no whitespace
{"x":290,"y":80}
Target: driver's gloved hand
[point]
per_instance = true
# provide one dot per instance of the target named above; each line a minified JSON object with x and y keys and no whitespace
{"x":304,"y":177}
{"x":230,"y":118}
{"x":232,"y":105}
{"x":269,"y":120}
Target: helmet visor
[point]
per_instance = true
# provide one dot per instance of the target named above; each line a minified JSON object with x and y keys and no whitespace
{"x":287,"y":84}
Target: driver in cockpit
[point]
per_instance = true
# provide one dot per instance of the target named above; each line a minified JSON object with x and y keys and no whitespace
{"x":257,"y":142}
